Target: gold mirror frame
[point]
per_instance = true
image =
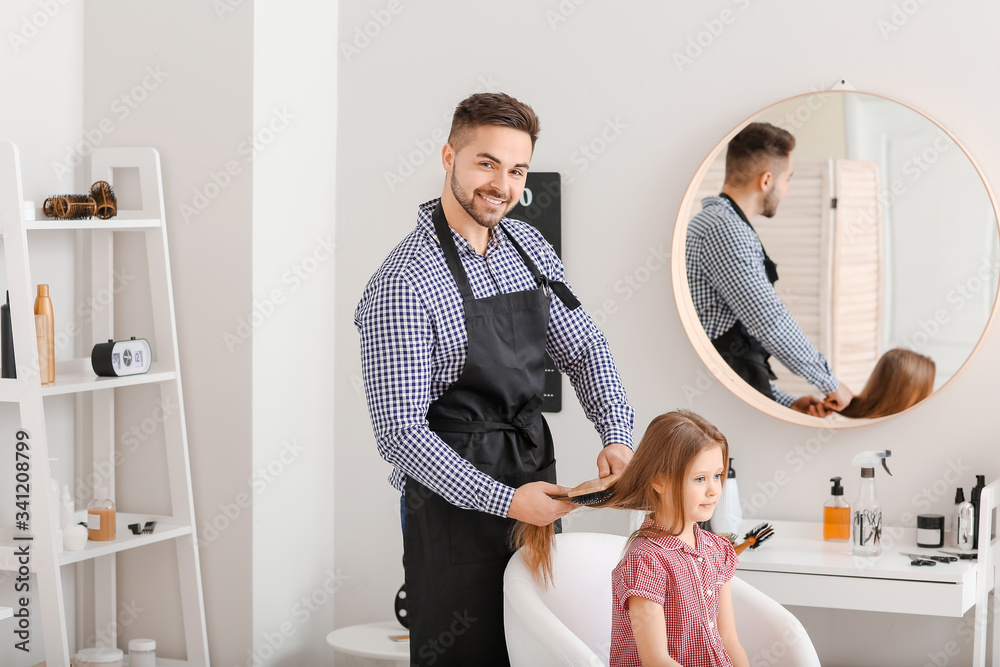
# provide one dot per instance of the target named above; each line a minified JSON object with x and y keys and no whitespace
{"x":689,"y":317}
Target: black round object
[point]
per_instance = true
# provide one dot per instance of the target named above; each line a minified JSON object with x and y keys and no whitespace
{"x":401,"y":607}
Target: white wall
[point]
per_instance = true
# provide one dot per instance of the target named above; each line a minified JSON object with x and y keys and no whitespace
{"x":195,"y":113}
{"x":591,"y":67}
{"x":294,"y":124}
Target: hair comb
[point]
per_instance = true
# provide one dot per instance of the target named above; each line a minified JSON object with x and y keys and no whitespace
{"x":591,"y":493}
{"x":755,"y":537}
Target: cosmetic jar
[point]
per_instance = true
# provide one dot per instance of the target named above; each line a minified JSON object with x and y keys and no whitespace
{"x":74,"y":538}
{"x":142,"y":653}
{"x":99,"y":657}
{"x":930,"y":530}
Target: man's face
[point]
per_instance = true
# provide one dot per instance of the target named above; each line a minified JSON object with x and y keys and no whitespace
{"x":487,"y":173}
{"x":779,"y":187}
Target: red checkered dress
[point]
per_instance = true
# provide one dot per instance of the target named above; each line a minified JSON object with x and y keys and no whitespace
{"x":686,"y":582}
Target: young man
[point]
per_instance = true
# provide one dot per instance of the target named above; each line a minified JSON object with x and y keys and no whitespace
{"x":454,"y":329}
{"x":732,"y":278}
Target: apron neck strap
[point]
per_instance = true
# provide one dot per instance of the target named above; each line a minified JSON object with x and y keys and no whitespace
{"x":451,"y":253}
{"x":462,"y":279}
{"x":560,"y":289}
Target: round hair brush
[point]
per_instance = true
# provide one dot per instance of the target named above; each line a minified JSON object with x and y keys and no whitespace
{"x":755,"y":537}
{"x":105,"y":201}
{"x":70,"y":207}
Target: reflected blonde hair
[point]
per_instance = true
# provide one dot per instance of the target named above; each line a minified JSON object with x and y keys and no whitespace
{"x":666,"y":453}
{"x":901,"y":378}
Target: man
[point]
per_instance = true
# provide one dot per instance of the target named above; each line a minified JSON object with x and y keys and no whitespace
{"x":732,"y":278}
{"x":454,"y":329}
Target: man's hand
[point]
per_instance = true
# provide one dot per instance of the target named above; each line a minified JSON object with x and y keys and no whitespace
{"x":533,"y":503}
{"x":613,"y":459}
{"x":811,"y":405}
{"x":839,"y":399}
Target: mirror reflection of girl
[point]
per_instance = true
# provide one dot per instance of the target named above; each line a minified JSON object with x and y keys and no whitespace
{"x":900,"y":379}
{"x":671,"y":597}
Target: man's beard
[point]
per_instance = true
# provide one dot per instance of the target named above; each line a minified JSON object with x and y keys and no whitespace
{"x":487,"y":219}
{"x":771,"y":201}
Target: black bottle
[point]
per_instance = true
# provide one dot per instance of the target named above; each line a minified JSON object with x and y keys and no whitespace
{"x":7,"y":368}
{"x":977,"y":491}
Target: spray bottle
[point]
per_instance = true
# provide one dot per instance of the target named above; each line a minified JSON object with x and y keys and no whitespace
{"x":866,"y":524}
{"x":728,"y":514}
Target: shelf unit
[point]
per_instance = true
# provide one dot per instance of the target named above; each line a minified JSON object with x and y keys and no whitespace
{"x":95,"y":402}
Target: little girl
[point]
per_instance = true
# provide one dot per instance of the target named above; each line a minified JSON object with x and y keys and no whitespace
{"x":671,"y":599}
{"x":672,"y":604}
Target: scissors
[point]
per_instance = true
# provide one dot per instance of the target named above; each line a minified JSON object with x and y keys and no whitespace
{"x":939,"y":559}
{"x":964,"y":555}
{"x":918,"y":560}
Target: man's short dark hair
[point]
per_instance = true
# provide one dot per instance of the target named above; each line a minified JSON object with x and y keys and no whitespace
{"x":491,"y":109}
{"x":755,"y":150}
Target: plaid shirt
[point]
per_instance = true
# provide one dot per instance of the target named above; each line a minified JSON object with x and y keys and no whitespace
{"x":686,"y":582}
{"x":414,"y":345}
{"x":725,"y":272}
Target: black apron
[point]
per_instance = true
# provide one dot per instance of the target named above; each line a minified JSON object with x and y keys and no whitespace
{"x":743,"y":352}
{"x":455,"y":559}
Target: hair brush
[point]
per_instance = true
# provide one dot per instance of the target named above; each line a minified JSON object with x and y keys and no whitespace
{"x":754,"y":537}
{"x":104,"y":197}
{"x":592,"y":492}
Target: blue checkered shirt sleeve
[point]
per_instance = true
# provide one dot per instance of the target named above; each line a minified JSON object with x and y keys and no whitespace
{"x":733,"y":262}
{"x":398,"y":337}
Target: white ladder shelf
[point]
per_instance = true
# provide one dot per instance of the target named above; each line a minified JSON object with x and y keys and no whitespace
{"x":96,"y":239}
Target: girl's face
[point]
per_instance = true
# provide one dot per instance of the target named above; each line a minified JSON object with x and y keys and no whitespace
{"x":703,"y":485}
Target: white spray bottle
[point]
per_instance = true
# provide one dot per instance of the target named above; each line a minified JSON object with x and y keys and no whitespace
{"x":866,"y":520}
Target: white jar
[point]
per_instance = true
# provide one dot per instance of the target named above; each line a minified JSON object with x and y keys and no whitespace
{"x":99,"y":657}
{"x":142,"y":653}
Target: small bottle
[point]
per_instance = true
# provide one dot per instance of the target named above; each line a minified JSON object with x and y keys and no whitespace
{"x":142,"y":653}
{"x":977,"y":492}
{"x":728,"y":515}
{"x":7,"y":368}
{"x":46,"y":358}
{"x":101,"y":517}
{"x":965,"y":517}
{"x":836,"y":514}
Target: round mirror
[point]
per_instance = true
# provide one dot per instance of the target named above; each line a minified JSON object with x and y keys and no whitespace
{"x":885,"y":239}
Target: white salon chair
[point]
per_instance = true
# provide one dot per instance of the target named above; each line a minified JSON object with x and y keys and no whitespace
{"x":569,"y":623}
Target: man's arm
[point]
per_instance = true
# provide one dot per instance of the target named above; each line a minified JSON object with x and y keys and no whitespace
{"x":581,"y":351}
{"x":397,"y":340}
{"x":732,"y":261}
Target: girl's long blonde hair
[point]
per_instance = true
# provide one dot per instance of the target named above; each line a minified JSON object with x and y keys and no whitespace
{"x":668,"y":449}
{"x":901,"y":378}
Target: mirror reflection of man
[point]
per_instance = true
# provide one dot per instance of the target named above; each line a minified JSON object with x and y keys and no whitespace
{"x":732,"y":278}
